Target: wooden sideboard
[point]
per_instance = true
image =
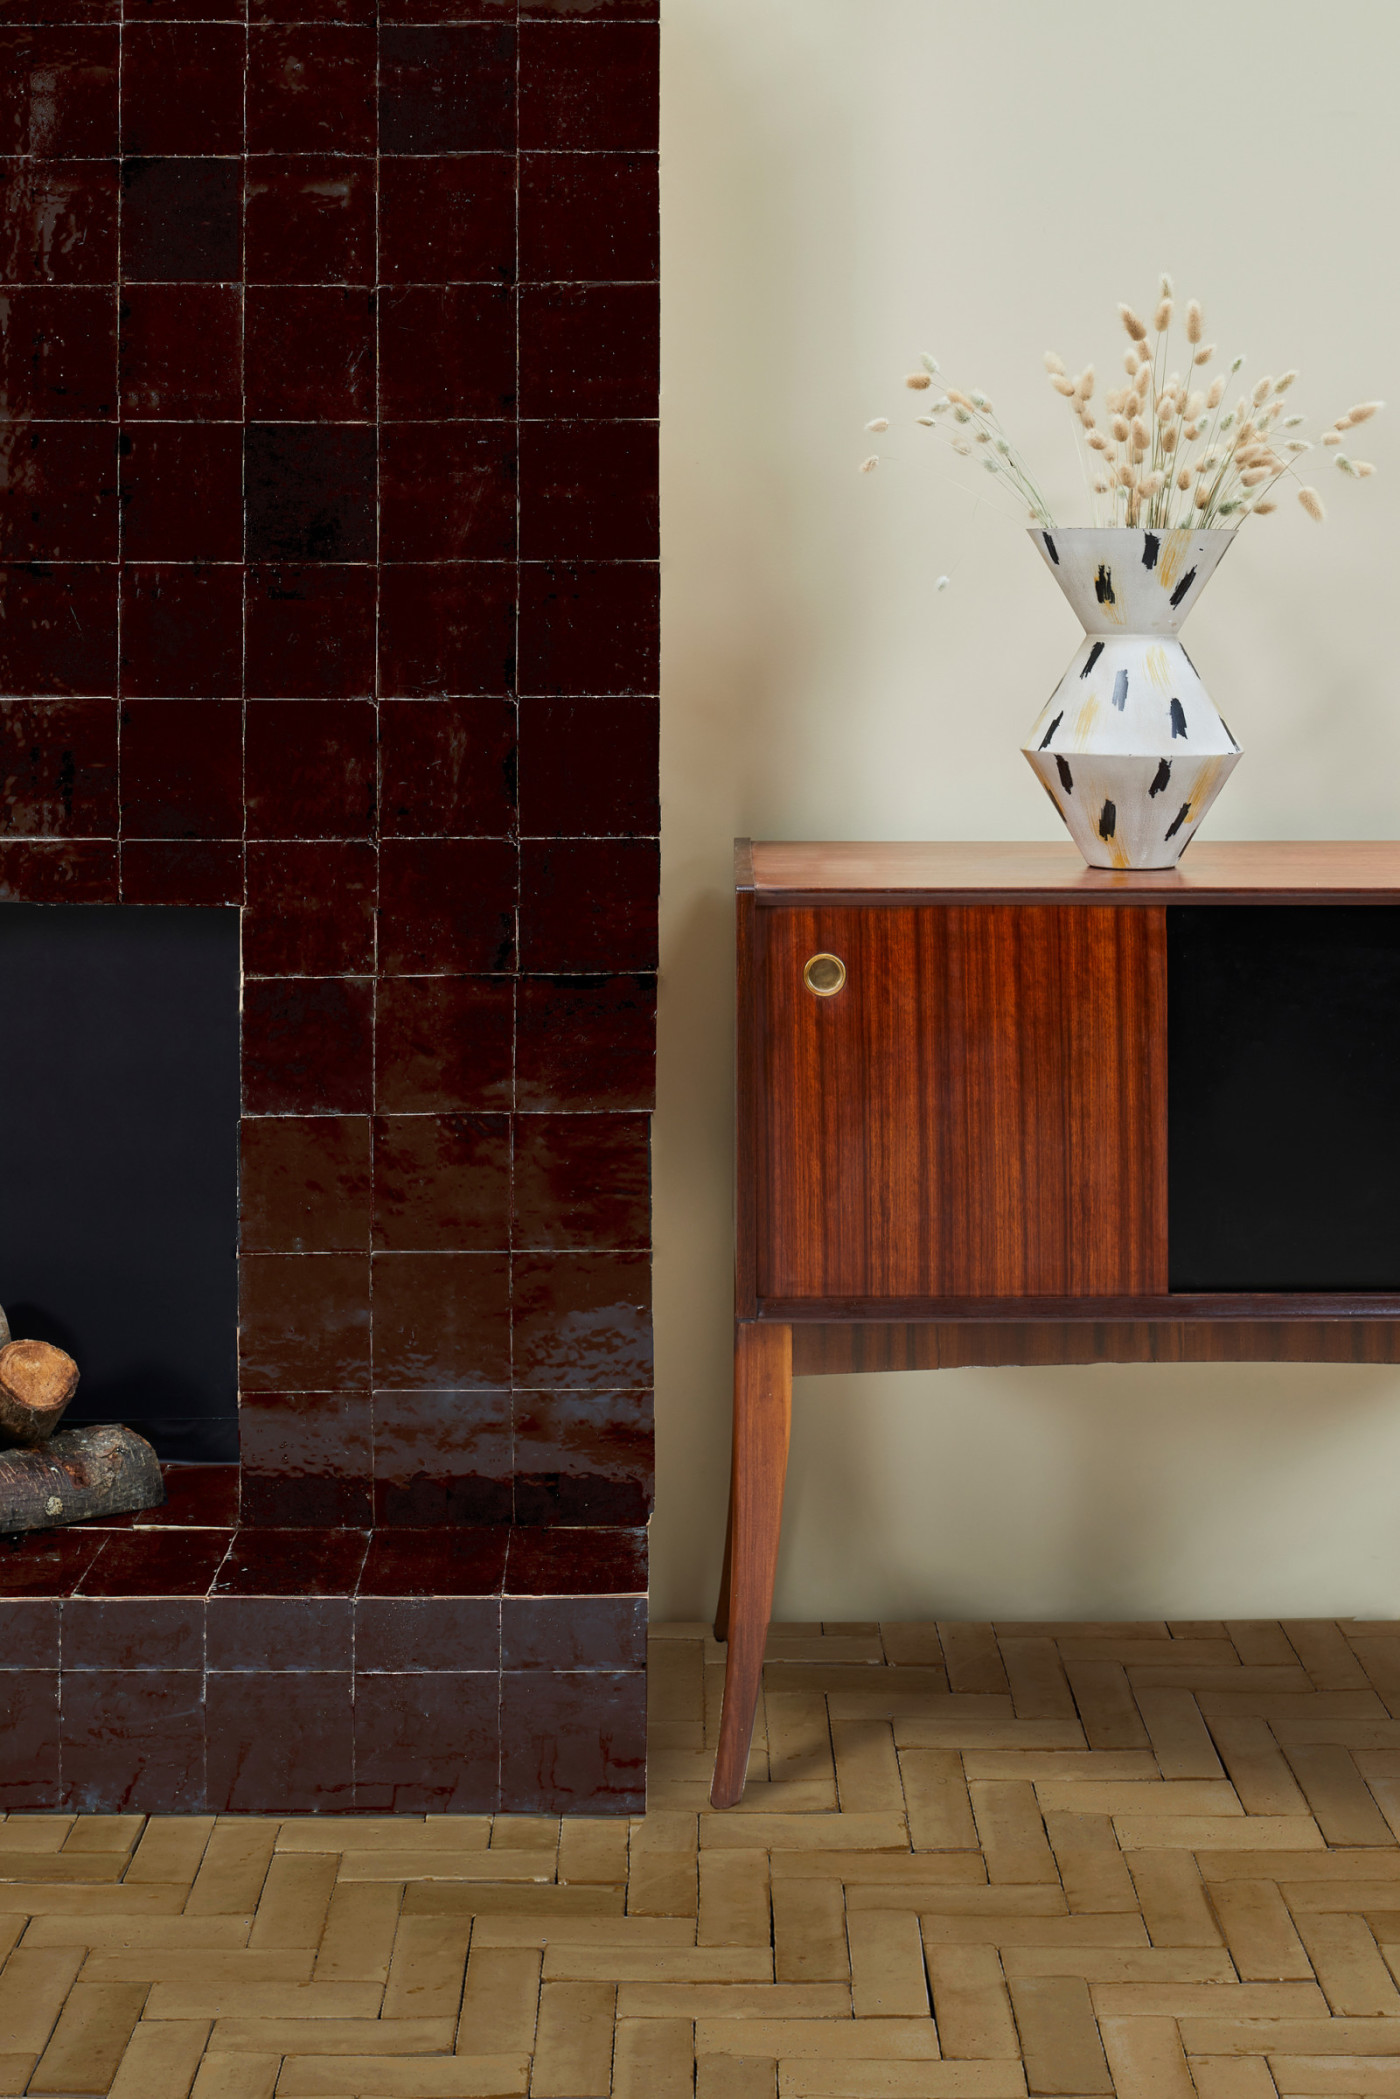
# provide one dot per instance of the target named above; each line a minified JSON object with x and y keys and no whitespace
{"x":998,"y":1107}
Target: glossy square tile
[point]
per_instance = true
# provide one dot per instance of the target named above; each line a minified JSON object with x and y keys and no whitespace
{"x":586,"y":1042}
{"x":280,"y":1742}
{"x":446,"y":904}
{"x":59,"y":632}
{"x":582,"y":1181}
{"x":444,"y":1043}
{"x":58,"y":91}
{"x":57,"y":352}
{"x":156,"y":1562}
{"x":182,"y":767}
{"x":58,"y":222}
{"x":304,"y":1322}
{"x":590,"y":217}
{"x":182,"y":87}
{"x":150,"y":1632}
{"x":309,"y":353}
{"x":573,"y":1632}
{"x":588,"y":490}
{"x":587,"y":903}
{"x":427,"y":1743}
{"x":275,"y":1633}
{"x":583,"y":1458}
{"x":293,"y":1562}
{"x":573,"y":1739}
{"x":181,"y":630}
{"x":29,"y":1741}
{"x":447,"y":492}
{"x":58,"y":491}
{"x":198,"y":1497}
{"x":311,"y":88}
{"x":447,"y":10}
{"x":181,"y":358}
{"x":394,"y":1634}
{"x":309,"y":769}
{"x":589,"y":350}
{"x":588,"y":86}
{"x":306,"y":1460}
{"x":589,"y":767}
{"x":310,"y":220}
{"x":442,"y":1562}
{"x":447,"y":90}
{"x":181,"y":872}
{"x":311,"y":10}
{"x":441,"y":1320}
{"x":42,"y":872}
{"x":29,"y":1629}
{"x":442,"y":1458}
{"x":447,"y":628}
{"x":310,"y":491}
{"x":589,"y":627}
{"x":447,"y":768}
{"x":441,"y":1182}
{"x":308,"y":1045}
{"x":582,"y":1319}
{"x":583,"y":1562}
{"x":310,"y":909}
{"x":446,"y":350}
{"x":309,"y":630}
{"x":304,"y":1183}
{"x":52,"y":1563}
{"x":448,"y":220}
{"x":180,"y":221}
{"x":58,"y":768}
{"x":182,"y":492}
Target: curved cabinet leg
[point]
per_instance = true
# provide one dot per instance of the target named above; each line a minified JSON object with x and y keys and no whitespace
{"x":722,"y":1607}
{"x":762,"y":1420}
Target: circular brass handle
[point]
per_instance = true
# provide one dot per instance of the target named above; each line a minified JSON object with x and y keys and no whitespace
{"x":824,"y":975}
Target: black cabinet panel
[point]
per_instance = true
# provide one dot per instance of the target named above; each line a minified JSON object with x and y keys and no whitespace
{"x":1283,"y":1097}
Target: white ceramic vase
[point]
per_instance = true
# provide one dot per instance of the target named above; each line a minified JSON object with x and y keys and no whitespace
{"x":1129,"y":747}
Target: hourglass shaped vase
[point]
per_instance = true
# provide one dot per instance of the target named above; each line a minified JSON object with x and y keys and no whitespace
{"x":1129,"y":746}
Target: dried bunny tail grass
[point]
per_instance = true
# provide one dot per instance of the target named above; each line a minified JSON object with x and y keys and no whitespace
{"x":1183,"y":479}
{"x":1098,"y":442}
{"x":1085,"y":385}
{"x":1120,"y":429}
{"x":1063,"y":385}
{"x":868,"y":466}
{"x":1265,"y":509}
{"x":1144,"y":353}
{"x":1136,"y":328}
{"x":929,"y":361}
{"x":878,"y":422}
{"x":1331,"y":437}
{"x":1297,"y":444}
{"x":1217,"y":392}
{"x":1162,"y":318}
{"x":1362,"y":413}
{"x":1054,"y":363}
{"x":1262,"y":389}
{"x":925,"y":422}
{"x":1312,"y":503}
{"x":1364,"y":469}
{"x":1282,"y":385}
{"x":918,"y":381}
{"x":981,"y":402}
{"x":1195,"y":323}
{"x":1130,"y":359}
{"x":1164,"y":286}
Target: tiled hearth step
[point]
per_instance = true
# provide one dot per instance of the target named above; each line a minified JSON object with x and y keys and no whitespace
{"x":177,"y":1663}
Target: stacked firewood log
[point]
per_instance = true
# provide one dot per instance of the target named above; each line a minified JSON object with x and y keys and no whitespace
{"x":51,"y":1476}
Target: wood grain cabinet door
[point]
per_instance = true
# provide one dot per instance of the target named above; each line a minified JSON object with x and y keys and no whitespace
{"x":979,"y":1111}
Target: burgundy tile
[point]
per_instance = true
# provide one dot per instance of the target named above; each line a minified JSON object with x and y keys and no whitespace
{"x":280,"y":1743}
{"x":588,"y":490}
{"x":583,"y":1457}
{"x":446,"y":904}
{"x":183,"y":10}
{"x":446,"y":1562}
{"x":447,"y":10}
{"x":442,"y":1458}
{"x":441,"y":1182}
{"x":448,"y":628}
{"x":182,"y":873}
{"x":71,"y":11}
{"x":311,"y":10}
{"x":573,"y":1742}
{"x":588,"y":217}
{"x":310,"y":769}
{"x":310,"y":490}
{"x":148,"y":1632}
{"x":58,"y":491}
{"x":133,"y":1740}
{"x":441,"y":1320}
{"x":446,"y":491}
{"x":589,"y":349}
{"x":427,"y":1743}
{"x":304,"y":1184}
{"x":394,"y":1634}
{"x":156,"y":1562}
{"x":595,"y":10}
{"x":447,"y":90}
{"x":57,"y":352}
{"x":310,"y":630}
{"x":58,"y":767}
{"x":310,"y":221}
{"x":58,"y":222}
{"x":589,"y":627}
{"x":573,"y":1632}
{"x":58,"y":633}
{"x":582,"y":1181}
{"x":448,"y":221}
{"x":310,"y":910}
{"x":577,"y":1563}
{"x":29,"y":1631}
{"x":180,"y":221}
{"x":198,"y":1496}
{"x":311,"y":89}
{"x":304,"y":1322}
{"x":58,"y":92}
{"x":182,"y":492}
{"x":447,"y":768}
{"x":281,"y":1632}
{"x":589,"y":87}
{"x":308,"y":1045}
{"x":182,"y":765}
{"x":588,"y":902}
{"x":589,"y":767}
{"x":298,"y":1563}
{"x":582,"y":1319}
{"x":587,"y":1042}
{"x":181,"y":630}
{"x":443,"y":1043}
{"x":29,"y":1744}
{"x":41,"y":873}
{"x":49,"y":1563}
{"x":182,"y":87}
{"x":446,"y":350}
{"x":309,"y":353}
{"x":180,"y":355}
{"x":306,"y":1459}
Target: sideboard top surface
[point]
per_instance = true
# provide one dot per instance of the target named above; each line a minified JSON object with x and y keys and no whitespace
{"x":1237,"y":871}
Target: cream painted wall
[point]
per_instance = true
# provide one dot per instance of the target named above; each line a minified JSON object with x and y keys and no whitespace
{"x":846,"y":182}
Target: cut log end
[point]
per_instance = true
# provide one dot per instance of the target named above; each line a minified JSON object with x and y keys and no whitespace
{"x":37,"y":1381}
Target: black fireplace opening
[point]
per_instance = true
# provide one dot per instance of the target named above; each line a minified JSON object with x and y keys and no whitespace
{"x":119,"y":1104}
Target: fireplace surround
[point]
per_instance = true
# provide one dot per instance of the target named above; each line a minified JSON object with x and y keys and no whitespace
{"x":327,"y":406}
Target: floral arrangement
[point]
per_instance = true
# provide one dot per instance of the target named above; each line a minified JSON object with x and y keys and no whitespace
{"x":1171,"y":452}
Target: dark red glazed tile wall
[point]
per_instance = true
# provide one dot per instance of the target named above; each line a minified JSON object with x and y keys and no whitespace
{"x":328,"y":552}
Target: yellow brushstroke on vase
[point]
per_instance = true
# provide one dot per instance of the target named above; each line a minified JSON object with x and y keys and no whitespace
{"x":1081,"y":728}
{"x":1157,"y":669}
{"x":1172,"y":554}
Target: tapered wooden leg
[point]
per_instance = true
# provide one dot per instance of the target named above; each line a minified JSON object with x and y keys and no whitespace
{"x":762,"y":1421}
{"x":722,"y":1607}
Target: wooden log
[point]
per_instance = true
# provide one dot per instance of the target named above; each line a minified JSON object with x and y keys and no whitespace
{"x":37,"y":1381}
{"x":4,"y":1327}
{"x":78,"y":1474}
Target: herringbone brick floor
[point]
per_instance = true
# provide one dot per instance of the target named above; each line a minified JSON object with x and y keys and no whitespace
{"x":972,"y":1861}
